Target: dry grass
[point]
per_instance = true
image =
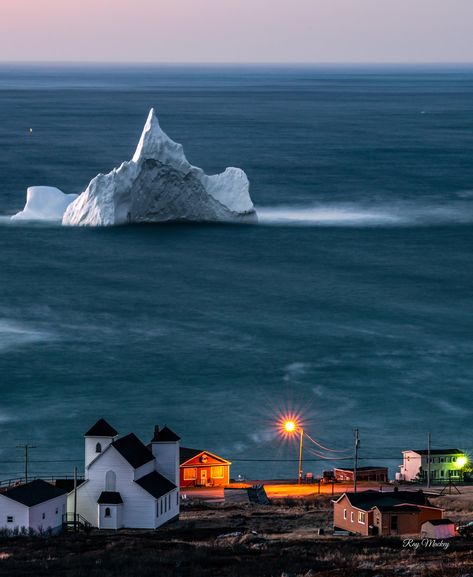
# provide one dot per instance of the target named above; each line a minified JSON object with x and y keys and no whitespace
{"x":233,"y":541}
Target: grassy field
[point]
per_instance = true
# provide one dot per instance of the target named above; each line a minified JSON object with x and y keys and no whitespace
{"x":214,"y":540}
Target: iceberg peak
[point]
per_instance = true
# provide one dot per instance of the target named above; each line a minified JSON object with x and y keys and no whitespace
{"x":159,"y":184}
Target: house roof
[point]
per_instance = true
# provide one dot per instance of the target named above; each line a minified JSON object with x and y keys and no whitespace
{"x":33,"y":493}
{"x":186,"y":454}
{"x":366,"y":500}
{"x":360,"y":469}
{"x":155,"y":484}
{"x":164,"y":435}
{"x":440,"y":522}
{"x":133,"y":450}
{"x":397,"y":508}
{"x":110,"y":498}
{"x":436,"y":452}
{"x":101,"y":429}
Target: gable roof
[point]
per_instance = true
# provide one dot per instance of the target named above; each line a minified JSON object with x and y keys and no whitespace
{"x":164,"y":435}
{"x":397,"y":508}
{"x":110,"y":498}
{"x":101,"y":429}
{"x":186,"y":454}
{"x":366,"y":500}
{"x":440,"y":522}
{"x":133,"y":450}
{"x":155,"y":484}
{"x":33,"y":493}
{"x":436,"y":452}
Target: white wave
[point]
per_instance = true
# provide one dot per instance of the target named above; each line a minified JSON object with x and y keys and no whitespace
{"x":324,"y":215}
{"x":397,"y":214}
{"x":14,"y":334}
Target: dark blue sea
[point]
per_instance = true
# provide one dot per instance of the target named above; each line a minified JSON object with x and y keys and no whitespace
{"x":349,"y":304}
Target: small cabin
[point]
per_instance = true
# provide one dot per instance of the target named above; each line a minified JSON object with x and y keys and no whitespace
{"x":438,"y":529}
{"x":200,"y":468}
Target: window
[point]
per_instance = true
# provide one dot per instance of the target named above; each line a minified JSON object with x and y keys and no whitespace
{"x":43,"y":516}
{"x":108,"y":513}
{"x":345,"y":514}
{"x":57,"y":511}
{"x":165,"y":505}
{"x":442,"y":472}
{"x":98,"y":448}
{"x":161,"y":501}
{"x":169,"y":501}
{"x":190,"y":474}
{"x":454,"y":459}
{"x":217,"y":473}
{"x":110,"y":481}
{"x":361,"y":517}
{"x":351,"y":516}
{"x":177,"y":497}
{"x":157,"y":508}
{"x":393,"y":522}
{"x":9,"y":519}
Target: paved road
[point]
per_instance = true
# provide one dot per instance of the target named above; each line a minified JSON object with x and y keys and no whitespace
{"x":275,"y":489}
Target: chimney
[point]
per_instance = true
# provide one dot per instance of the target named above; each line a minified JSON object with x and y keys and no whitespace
{"x":156,"y":431}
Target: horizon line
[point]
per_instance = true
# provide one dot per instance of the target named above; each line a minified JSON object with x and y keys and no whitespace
{"x":231,"y":63}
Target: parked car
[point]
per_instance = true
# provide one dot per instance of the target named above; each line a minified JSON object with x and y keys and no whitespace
{"x":465,"y":529}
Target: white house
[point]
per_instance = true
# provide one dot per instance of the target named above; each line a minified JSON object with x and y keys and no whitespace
{"x":128,"y":484}
{"x":438,"y":529}
{"x":38,"y":506}
{"x":445,"y":465}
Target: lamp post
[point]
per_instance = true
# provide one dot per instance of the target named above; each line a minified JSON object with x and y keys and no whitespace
{"x":291,"y":428}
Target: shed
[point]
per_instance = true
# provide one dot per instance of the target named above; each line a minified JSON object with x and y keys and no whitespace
{"x":438,"y":529}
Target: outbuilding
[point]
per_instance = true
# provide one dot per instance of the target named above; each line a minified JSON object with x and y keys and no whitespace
{"x":36,"y":506}
{"x":438,"y":529}
{"x":199,"y":468}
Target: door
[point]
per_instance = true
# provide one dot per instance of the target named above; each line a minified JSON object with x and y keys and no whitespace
{"x":203,"y":476}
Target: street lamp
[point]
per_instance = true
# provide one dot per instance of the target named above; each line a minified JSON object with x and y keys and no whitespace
{"x":290,"y":427}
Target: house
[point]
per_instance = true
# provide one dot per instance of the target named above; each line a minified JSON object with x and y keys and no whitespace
{"x":128,"y":484}
{"x":378,"y":474}
{"x":438,"y":529}
{"x":199,"y":468}
{"x":445,"y":465}
{"x":383,"y":513}
{"x":37,"y":506}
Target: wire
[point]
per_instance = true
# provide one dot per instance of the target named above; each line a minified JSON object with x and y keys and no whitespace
{"x":325,"y":448}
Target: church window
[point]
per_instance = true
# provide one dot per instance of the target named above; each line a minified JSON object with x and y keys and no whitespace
{"x":98,"y":448}
{"x":110,"y":481}
{"x":108,"y":513}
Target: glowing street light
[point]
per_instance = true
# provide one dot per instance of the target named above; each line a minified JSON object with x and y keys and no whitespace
{"x":290,"y":426}
{"x":461,"y":462}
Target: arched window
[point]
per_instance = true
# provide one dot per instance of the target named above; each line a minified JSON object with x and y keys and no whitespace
{"x":108,"y":512}
{"x":98,"y":448}
{"x":110,"y":481}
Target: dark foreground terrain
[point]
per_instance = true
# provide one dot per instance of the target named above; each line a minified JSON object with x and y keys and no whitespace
{"x":233,"y":541}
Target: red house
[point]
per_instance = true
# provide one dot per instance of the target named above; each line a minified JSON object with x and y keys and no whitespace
{"x":200,"y":468}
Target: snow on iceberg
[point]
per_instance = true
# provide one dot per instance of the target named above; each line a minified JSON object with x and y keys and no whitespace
{"x":44,"y":203}
{"x":159,"y":184}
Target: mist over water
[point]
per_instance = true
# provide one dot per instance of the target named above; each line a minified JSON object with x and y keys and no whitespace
{"x":350,"y":301}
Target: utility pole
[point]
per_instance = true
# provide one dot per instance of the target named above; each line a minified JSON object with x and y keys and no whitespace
{"x":26,"y":447}
{"x":429,"y":449}
{"x":300,"y":457}
{"x":355,"y":466}
{"x":75,"y":500}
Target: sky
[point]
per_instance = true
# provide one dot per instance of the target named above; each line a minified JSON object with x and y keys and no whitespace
{"x":238,"y":31}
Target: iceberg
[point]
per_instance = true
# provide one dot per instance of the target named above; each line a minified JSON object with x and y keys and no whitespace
{"x":158,"y":184}
{"x":44,"y":203}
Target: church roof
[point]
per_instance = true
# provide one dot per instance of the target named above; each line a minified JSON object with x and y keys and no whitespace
{"x":155,"y":484}
{"x":164,"y":435}
{"x":101,"y":429}
{"x":109,"y":498}
{"x":33,"y":493}
{"x":133,"y":450}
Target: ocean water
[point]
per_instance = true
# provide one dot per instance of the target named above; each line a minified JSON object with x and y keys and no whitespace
{"x":349,"y":304}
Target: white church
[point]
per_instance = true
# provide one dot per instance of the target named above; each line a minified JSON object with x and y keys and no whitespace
{"x":128,"y":484}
